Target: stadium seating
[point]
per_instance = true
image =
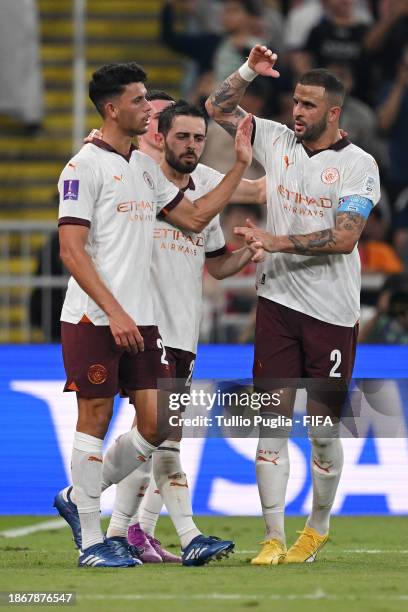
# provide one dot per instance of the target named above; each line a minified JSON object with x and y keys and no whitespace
{"x":123,"y":30}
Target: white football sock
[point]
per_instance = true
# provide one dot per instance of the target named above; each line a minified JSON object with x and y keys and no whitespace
{"x":173,"y":487}
{"x":129,"y":495}
{"x":272,"y":473}
{"x":86,"y":470}
{"x":127,"y":453}
{"x":150,"y":508}
{"x":326,"y":465}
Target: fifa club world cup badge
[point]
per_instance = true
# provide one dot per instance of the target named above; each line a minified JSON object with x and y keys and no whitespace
{"x":71,"y":190}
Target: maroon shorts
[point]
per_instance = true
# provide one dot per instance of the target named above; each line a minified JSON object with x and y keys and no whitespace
{"x":291,"y":344}
{"x":181,"y":366}
{"x":95,"y":367}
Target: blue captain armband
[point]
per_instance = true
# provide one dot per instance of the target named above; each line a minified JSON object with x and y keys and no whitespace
{"x":356,"y":204}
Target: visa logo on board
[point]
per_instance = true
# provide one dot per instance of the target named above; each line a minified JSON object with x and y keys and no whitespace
{"x":374,"y":480}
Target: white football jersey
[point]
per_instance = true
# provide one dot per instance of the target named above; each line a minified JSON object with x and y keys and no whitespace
{"x":118,"y":200}
{"x":303,"y":193}
{"x":177,"y":268}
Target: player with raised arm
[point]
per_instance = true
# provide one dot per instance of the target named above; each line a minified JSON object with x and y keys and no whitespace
{"x":320,"y":191}
{"x":110,"y":195}
{"x":177,"y":271}
{"x":182,"y":258}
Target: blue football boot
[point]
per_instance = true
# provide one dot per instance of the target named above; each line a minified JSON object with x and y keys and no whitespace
{"x":105,"y":555}
{"x":122,"y":547}
{"x":69,"y":511}
{"x":203,"y":549}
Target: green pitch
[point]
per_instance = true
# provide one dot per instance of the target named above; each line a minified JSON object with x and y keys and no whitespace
{"x":363,"y":568}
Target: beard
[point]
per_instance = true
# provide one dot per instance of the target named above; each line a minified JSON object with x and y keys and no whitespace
{"x":313,"y":132}
{"x":185,"y":167}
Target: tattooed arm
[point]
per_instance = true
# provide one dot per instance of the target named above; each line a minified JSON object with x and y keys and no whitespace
{"x":222,"y":105}
{"x":340,"y":239}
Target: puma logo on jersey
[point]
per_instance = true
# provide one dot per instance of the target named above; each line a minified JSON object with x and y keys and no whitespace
{"x":287,"y":162}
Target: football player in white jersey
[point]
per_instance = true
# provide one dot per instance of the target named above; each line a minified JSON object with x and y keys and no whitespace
{"x":177,"y":266}
{"x":177,"y":272}
{"x":110,"y":195}
{"x":320,"y":191}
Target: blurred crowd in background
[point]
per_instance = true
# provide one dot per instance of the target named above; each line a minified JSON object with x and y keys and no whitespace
{"x":364,"y":42}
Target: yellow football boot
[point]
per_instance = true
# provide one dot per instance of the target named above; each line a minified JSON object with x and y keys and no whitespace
{"x":306,"y":547}
{"x":272,"y":553}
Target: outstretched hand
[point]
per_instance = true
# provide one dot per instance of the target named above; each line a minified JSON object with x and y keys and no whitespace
{"x":243,"y":145}
{"x":262,"y":60}
{"x":258,"y":253}
{"x":255,"y":237}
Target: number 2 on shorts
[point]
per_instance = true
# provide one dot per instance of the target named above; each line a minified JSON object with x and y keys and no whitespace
{"x":335,"y":356}
{"x":190,"y":376}
{"x":163,"y":349}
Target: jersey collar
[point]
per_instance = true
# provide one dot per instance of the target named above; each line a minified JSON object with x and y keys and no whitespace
{"x":336,"y":146}
{"x":104,"y":145}
{"x":190,"y":184}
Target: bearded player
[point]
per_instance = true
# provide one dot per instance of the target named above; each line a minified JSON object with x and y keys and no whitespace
{"x":109,"y":336}
{"x":197,"y":549}
{"x":320,"y":191}
{"x":177,"y":271}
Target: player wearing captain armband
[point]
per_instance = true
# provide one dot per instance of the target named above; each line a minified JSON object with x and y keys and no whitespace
{"x":320,"y":191}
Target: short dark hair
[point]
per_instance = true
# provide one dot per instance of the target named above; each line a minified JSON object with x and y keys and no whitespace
{"x":252,"y":7}
{"x":180,"y":108}
{"x":158,"y":94}
{"x":111,"y":79}
{"x":321,"y":77}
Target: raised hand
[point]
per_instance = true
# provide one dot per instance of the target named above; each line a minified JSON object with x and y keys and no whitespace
{"x":243,"y":145}
{"x":262,"y":60}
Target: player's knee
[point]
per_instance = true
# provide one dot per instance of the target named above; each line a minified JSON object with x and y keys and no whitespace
{"x":151,"y":432}
{"x":94,"y":417}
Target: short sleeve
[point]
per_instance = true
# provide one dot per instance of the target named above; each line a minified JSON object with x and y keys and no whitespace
{"x":266,"y":135}
{"x":167,"y":195}
{"x":362,"y":178}
{"x":214,"y":241}
{"x":214,"y":178}
{"x":77,"y":193}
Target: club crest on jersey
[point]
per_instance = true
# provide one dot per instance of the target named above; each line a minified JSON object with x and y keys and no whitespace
{"x":148,"y":180}
{"x":330,"y":176}
{"x":71,"y":189}
{"x":97,"y":374}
